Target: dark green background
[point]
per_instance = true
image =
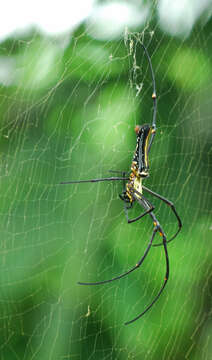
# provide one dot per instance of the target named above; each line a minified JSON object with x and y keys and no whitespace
{"x":75,"y":119}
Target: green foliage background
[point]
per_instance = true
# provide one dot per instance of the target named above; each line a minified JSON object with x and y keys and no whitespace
{"x":70,"y":114}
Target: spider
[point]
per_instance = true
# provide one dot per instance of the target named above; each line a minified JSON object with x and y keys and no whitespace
{"x":133,"y":189}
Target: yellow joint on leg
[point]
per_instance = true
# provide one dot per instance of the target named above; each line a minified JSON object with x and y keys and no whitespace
{"x":161,"y":233}
{"x":154,"y":96}
{"x":154,"y":223}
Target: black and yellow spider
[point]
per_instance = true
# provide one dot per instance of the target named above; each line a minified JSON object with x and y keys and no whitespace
{"x":133,"y":192}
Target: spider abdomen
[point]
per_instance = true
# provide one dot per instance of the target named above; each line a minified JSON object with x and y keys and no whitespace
{"x":141,"y":152}
{"x":138,"y":186}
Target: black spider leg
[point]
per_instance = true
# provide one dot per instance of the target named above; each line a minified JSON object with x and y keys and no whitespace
{"x":154,"y":97}
{"x":169,"y":203}
{"x":92,"y":180}
{"x":156,"y":229}
{"x":151,"y":208}
{"x":145,"y":205}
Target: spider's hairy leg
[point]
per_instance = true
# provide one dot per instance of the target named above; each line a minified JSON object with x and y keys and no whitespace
{"x":169,"y":203}
{"x":156,"y":229}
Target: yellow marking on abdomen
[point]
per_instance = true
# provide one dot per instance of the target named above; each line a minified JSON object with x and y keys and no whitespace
{"x":138,"y":186}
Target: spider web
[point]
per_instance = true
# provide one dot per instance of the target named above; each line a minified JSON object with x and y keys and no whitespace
{"x":74,"y":119}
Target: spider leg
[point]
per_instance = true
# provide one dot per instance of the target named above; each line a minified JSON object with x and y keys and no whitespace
{"x":145,"y":205}
{"x":127,"y":272}
{"x":169,"y":203}
{"x":92,"y":180}
{"x":149,"y":207}
{"x":157,"y":228}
